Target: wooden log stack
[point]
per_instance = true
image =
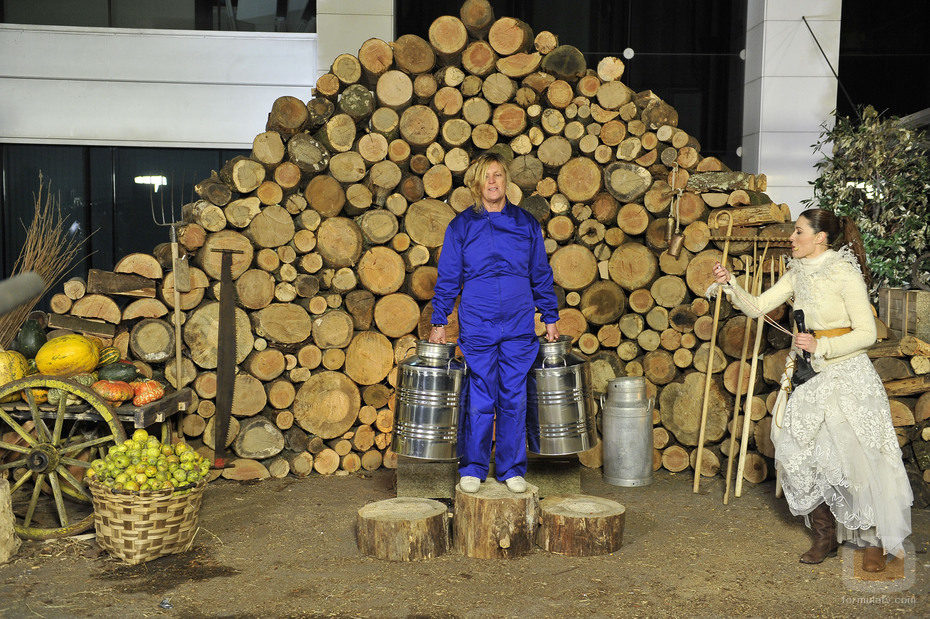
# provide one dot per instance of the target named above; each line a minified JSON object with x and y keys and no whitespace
{"x":903,"y":368}
{"x":340,"y":212}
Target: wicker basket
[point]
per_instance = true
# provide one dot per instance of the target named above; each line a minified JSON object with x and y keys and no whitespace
{"x":140,"y":526}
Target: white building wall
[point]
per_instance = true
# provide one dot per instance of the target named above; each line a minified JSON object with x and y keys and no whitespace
{"x":170,"y":88}
{"x":344,"y":26}
{"x":789,"y":92}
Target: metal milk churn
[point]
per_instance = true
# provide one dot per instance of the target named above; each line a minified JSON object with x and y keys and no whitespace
{"x":559,"y":406}
{"x":627,"y":432}
{"x":426,"y":418}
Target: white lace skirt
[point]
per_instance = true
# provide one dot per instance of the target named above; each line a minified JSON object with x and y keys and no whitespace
{"x":836,"y":444}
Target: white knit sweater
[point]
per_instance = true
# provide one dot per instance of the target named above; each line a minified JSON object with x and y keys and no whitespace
{"x":832,"y":293}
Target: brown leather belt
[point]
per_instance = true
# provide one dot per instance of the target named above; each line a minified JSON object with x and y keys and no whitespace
{"x":833,"y":332}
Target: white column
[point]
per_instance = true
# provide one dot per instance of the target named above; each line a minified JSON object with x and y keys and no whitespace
{"x":789,"y":92}
{"x":343,"y":26}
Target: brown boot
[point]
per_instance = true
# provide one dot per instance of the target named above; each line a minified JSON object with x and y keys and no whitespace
{"x":873,"y":559}
{"x":823,"y":529}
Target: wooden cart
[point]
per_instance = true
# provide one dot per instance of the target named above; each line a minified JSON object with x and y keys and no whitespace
{"x":49,"y":448}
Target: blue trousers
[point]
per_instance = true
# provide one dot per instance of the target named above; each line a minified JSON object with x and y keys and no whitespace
{"x":496,"y":383}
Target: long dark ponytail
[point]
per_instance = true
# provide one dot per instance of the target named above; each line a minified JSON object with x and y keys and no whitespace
{"x":840,"y":231}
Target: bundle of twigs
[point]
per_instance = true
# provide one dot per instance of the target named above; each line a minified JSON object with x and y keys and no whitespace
{"x":49,"y":250}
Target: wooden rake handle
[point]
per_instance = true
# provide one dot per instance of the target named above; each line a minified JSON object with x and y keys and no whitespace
{"x":710,"y":361}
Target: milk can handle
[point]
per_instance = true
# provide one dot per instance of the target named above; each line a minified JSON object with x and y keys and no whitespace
{"x":561,"y":358}
{"x":601,"y":397}
{"x":462,"y":359}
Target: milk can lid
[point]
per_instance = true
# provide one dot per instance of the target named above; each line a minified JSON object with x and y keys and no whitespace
{"x":561,"y":346}
{"x":435,"y":351}
{"x":627,"y":384}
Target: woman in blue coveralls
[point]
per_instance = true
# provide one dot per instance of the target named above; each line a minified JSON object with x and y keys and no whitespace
{"x":493,"y":255}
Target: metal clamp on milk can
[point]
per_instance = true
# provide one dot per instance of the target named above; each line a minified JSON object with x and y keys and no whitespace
{"x":426,"y":419}
{"x":627,"y":432}
{"x":559,"y":405}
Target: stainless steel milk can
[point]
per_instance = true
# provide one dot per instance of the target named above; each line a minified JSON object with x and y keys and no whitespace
{"x":627,"y":432}
{"x":559,"y":404}
{"x":426,"y":418}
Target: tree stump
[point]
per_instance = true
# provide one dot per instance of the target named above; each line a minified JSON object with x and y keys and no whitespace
{"x":580,"y":525}
{"x":9,"y":542}
{"x":495,"y":523}
{"x":403,"y":529}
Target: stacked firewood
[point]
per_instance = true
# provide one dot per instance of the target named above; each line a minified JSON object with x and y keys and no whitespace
{"x":265,"y":431}
{"x":340,"y":211}
{"x":904,"y":369}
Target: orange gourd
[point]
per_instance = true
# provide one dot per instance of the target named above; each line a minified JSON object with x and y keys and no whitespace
{"x":147,"y":391}
{"x":115,"y":392}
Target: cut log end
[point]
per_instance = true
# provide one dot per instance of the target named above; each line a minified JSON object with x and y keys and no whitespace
{"x":580,"y":526}
{"x":494,"y":522}
{"x":403,"y":529}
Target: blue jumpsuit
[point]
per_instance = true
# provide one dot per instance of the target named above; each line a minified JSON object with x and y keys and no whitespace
{"x":498,"y":264}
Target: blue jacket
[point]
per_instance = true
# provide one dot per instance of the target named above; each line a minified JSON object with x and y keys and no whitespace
{"x":498,"y":263}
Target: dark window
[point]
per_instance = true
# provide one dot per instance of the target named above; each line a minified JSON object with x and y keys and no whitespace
{"x":252,"y":16}
{"x":101,"y":190}
{"x":884,"y":56}
{"x":63,"y":171}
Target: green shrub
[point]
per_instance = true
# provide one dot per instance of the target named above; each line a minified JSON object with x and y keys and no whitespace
{"x":877,"y":172}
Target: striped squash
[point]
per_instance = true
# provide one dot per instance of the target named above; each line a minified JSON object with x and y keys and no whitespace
{"x":108,"y":355}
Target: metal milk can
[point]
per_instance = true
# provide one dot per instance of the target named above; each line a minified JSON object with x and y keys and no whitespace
{"x":560,"y":408}
{"x":426,"y":418}
{"x":627,"y":432}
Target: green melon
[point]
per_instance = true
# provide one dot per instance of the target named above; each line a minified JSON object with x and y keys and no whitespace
{"x":29,"y":339}
{"x":119,"y":370}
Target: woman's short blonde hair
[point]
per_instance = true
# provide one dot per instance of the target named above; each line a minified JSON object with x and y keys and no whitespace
{"x":480,"y":166}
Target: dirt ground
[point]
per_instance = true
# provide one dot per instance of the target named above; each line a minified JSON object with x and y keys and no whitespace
{"x":287,"y":548}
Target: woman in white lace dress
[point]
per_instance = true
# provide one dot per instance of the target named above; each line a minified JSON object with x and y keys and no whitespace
{"x":834,"y":442}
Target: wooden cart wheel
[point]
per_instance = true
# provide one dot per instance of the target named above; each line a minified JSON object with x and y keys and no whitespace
{"x":48,"y":449}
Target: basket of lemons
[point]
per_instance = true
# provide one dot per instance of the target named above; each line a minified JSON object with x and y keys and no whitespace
{"x":147,"y":497}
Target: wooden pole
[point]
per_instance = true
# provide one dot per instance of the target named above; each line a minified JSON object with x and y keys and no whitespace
{"x":710,"y":365}
{"x":778,"y":489}
{"x":177,"y":309}
{"x":750,"y":391}
{"x":739,"y":389}
{"x":9,"y":542}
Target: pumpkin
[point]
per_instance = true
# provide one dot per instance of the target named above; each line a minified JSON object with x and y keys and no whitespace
{"x":67,"y":354}
{"x":108,"y":355}
{"x":84,"y":378}
{"x":115,"y":392}
{"x":39,"y":395}
{"x":13,"y":366}
{"x":147,"y":391}
{"x":54,"y":397}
